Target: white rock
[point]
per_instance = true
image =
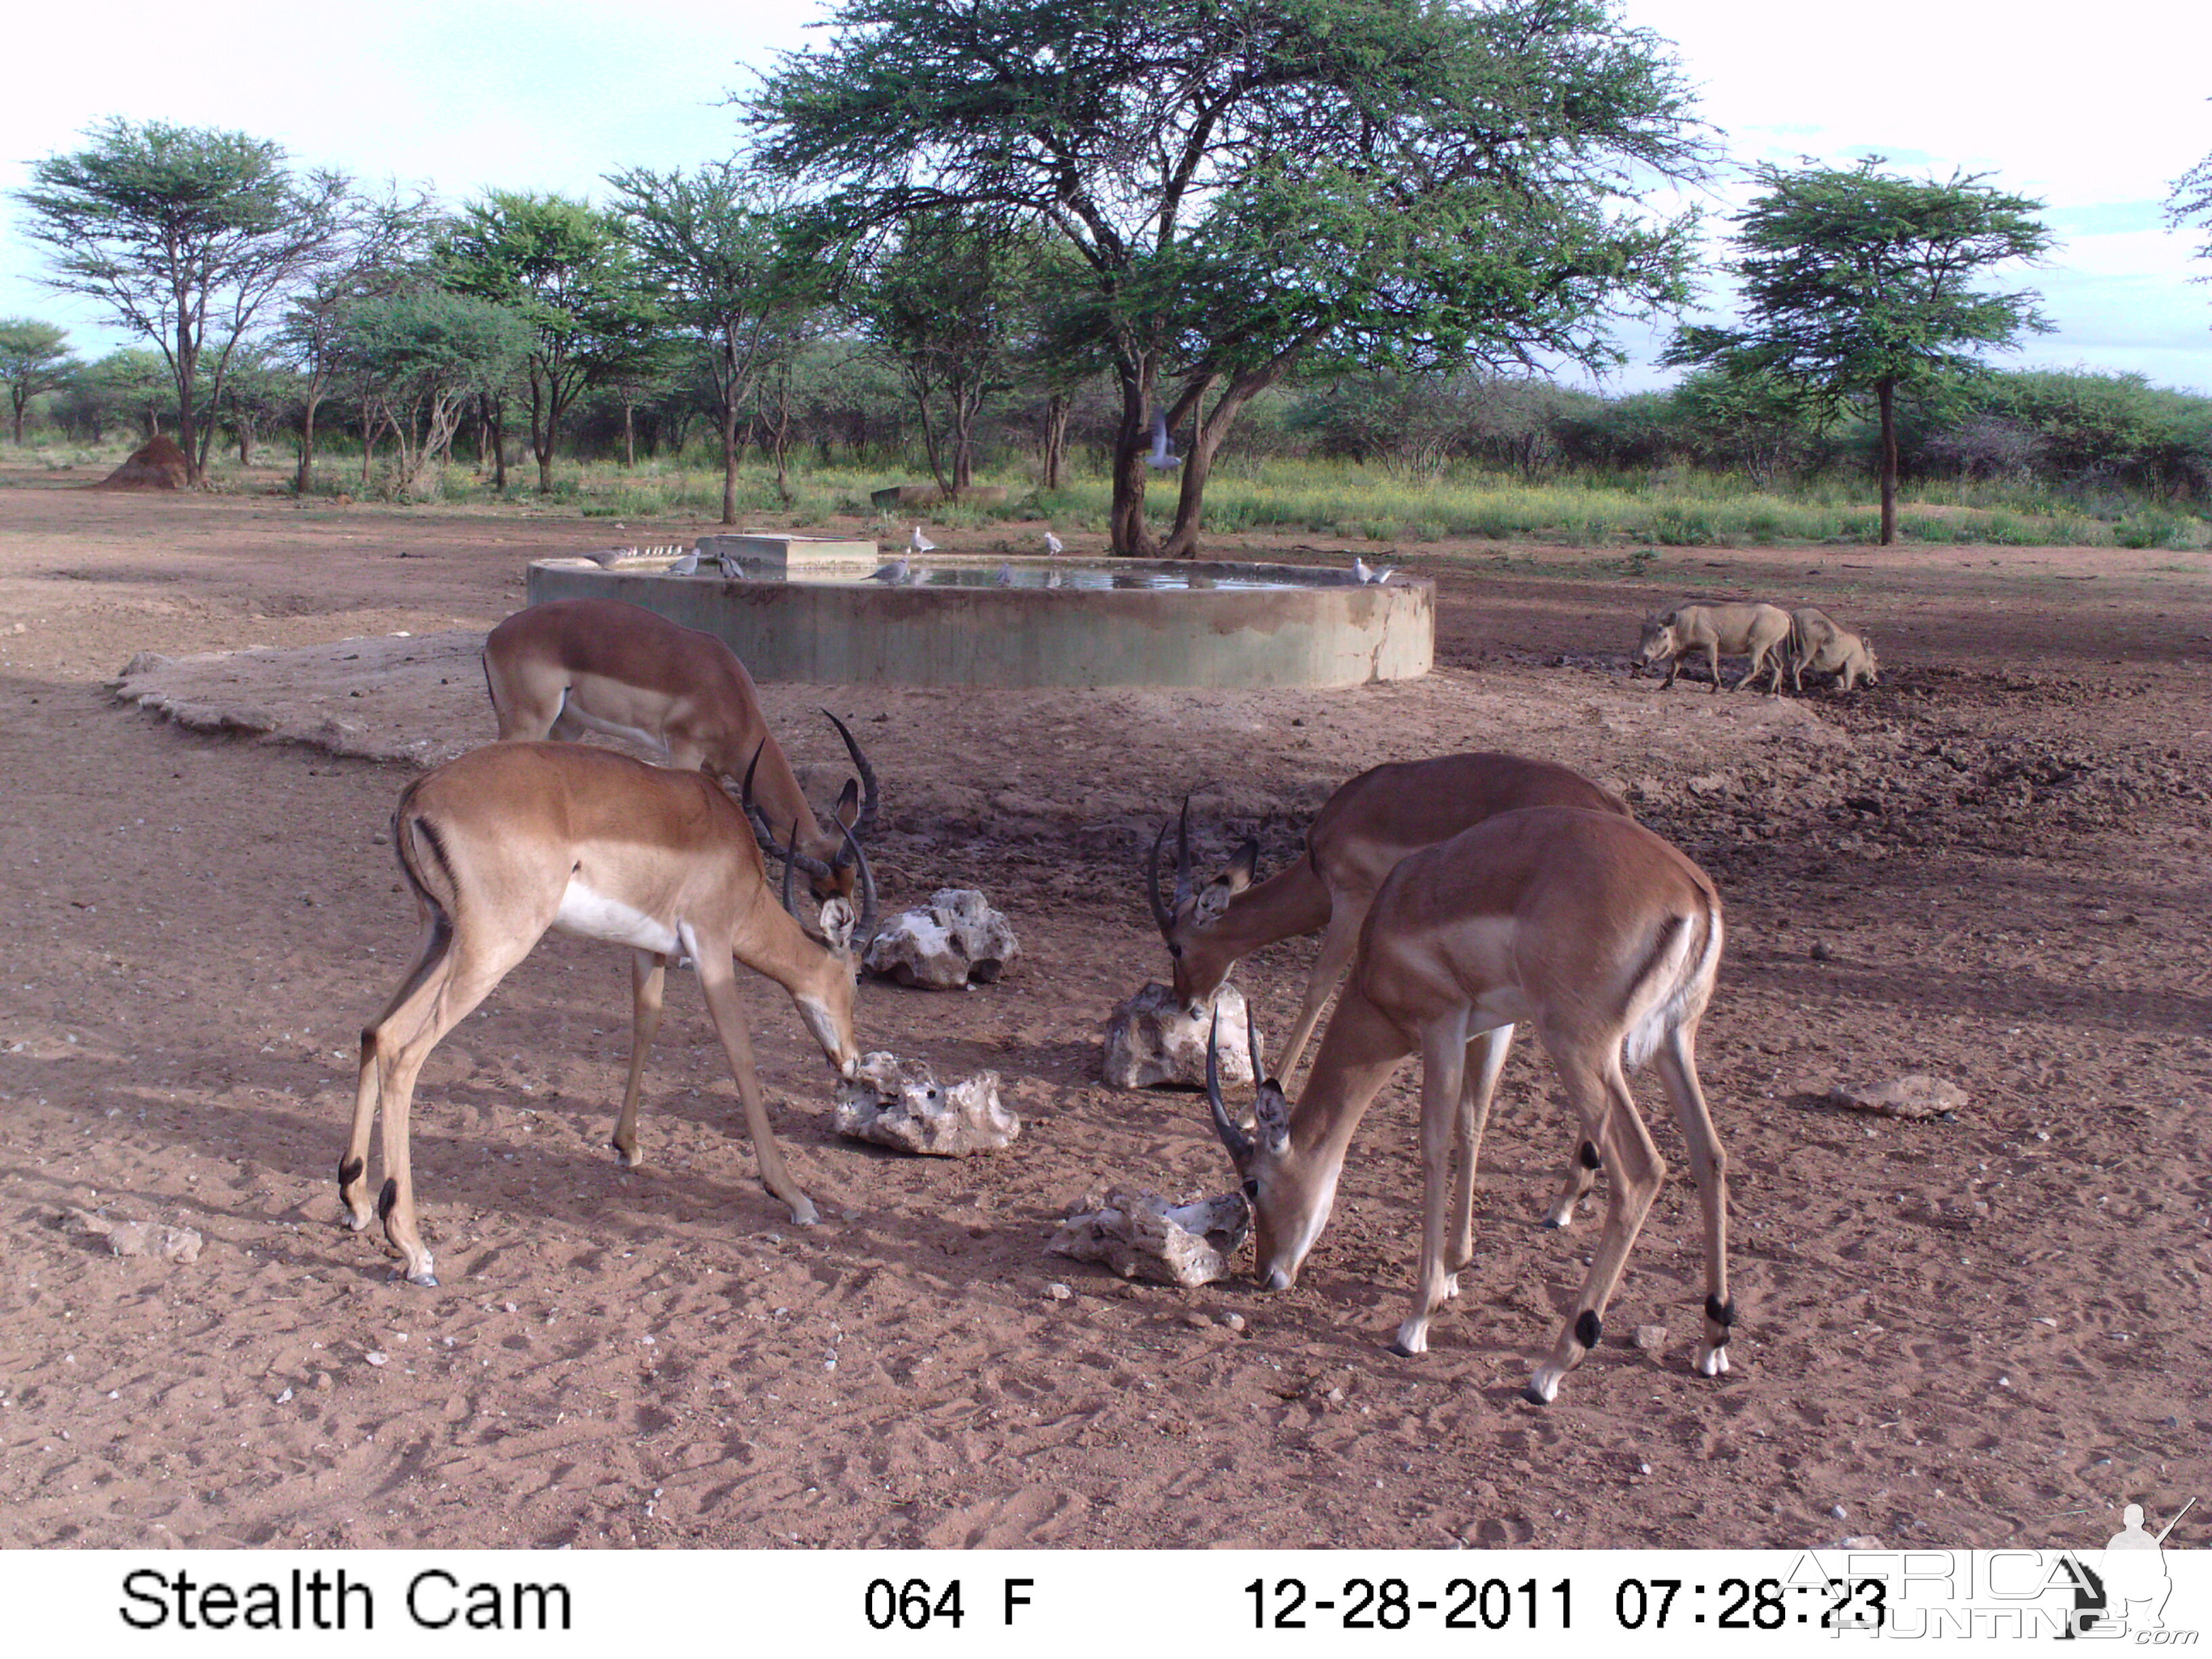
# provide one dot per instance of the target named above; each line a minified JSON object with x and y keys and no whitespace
{"x":896,"y":1103}
{"x":1914,"y":1096}
{"x":958,"y":940}
{"x":1139,"y":1234}
{"x":1151,"y":1039}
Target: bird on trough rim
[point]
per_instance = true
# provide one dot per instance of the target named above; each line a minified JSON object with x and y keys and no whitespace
{"x":918,"y":542}
{"x":1361,"y":574}
{"x":688,"y":565}
{"x":1053,"y":547}
{"x":1006,"y":576}
{"x":732,"y":570}
{"x":900,"y":569}
{"x":1161,"y":456}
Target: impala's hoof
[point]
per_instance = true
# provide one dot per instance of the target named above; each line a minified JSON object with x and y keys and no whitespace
{"x":425,"y":1278}
{"x":1543,"y":1388}
{"x":1536,"y":1396}
{"x":1712,"y":1362}
{"x":353,"y":1224}
{"x":803,"y":1214}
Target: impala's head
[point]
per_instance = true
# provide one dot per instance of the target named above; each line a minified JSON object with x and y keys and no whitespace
{"x":1190,"y":923}
{"x":826,"y":1000}
{"x":823,"y":854}
{"x":1290,"y":1194}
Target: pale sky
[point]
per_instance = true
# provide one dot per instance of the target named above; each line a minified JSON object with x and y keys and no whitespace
{"x":2095,"y":115}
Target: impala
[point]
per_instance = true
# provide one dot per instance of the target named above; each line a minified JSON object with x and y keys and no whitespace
{"x":515,"y":838}
{"x":1356,"y":839}
{"x":567,"y":667}
{"x":1583,"y":923}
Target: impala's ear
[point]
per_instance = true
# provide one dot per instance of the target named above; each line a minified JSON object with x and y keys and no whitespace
{"x":1239,"y":875}
{"x":837,"y":920}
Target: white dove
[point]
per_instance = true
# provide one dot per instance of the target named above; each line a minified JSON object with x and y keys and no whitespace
{"x":1161,"y":455}
{"x":918,"y":542}
{"x":1053,"y":545}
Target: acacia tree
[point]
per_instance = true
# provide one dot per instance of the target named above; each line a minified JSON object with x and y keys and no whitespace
{"x":1859,"y":285}
{"x":378,"y":249}
{"x":564,"y":268}
{"x":2191,"y":203}
{"x":185,"y":234}
{"x":34,"y":357}
{"x":948,"y":304}
{"x":419,"y":358}
{"x":1251,"y":183}
{"x":727,"y":263}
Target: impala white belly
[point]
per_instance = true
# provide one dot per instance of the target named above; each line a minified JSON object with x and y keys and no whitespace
{"x":594,"y":915}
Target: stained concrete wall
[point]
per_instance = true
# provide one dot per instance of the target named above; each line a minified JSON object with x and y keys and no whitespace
{"x":864,"y":634}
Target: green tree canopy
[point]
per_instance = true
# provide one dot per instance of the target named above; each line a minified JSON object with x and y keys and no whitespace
{"x":728,"y":263}
{"x":185,"y":234}
{"x":1857,"y":284}
{"x":34,"y":357}
{"x":564,"y":268}
{"x":421,"y":356}
{"x":1249,"y":183}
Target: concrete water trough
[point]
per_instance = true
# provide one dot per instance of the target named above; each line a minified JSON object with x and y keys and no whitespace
{"x":808,"y":612}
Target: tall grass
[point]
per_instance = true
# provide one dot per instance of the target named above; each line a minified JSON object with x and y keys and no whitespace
{"x":1670,"y":506}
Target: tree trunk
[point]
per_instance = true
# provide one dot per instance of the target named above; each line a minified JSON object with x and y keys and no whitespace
{"x":1886,"y":393}
{"x":730,"y":461}
{"x":303,"y":477}
{"x":187,"y":431}
{"x":1127,"y":534}
{"x":18,"y":399}
{"x":1055,"y":439}
{"x":630,"y":435}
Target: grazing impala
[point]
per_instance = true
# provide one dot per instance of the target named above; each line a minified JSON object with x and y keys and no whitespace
{"x":513,"y":839}
{"x":567,"y":667}
{"x":1356,"y":839}
{"x":1590,"y":928}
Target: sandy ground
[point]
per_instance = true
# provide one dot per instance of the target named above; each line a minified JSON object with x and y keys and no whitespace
{"x":1987,"y":1331}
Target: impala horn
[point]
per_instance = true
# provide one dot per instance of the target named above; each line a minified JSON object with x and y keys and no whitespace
{"x":863,"y":825}
{"x":864,"y":930}
{"x":1232,"y":1136}
{"x":765,"y":833}
{"x":790,"y":859}
{"x":1162,"y":917}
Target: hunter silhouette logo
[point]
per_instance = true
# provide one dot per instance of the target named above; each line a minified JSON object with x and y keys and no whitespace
{"x":2126,"y":1590}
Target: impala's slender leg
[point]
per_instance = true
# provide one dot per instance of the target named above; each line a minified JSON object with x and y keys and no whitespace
{"x":430,"y":952}
{"x":1581,"y":1176}
{"x":426,"y":1010}
{"x":1443,"y":1065}
{"x":1715,"y":653}
{"x":1591,"y":1072}
{"x":1473,"y":1117}
{"x":1338,"y":943}
{"x":719,"y":980}
{"x":1677,"y":1063}
{"x":648,"y":977}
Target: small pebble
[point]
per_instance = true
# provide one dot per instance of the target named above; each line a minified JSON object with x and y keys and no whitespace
{"x":1839,"y":1511}
{"x":323,"y":1383}
{"x":1644,"y":1469}
{"x":376,"y":1358}
{"x":1651,"y":1339}
{"x":1235,"y":1321}
{"x":1058,"y":1292}
{"x":1199,"y":1321}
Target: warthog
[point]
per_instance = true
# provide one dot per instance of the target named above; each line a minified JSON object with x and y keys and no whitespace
{"x":1759,"y":631}
{"x":1817,"y":643}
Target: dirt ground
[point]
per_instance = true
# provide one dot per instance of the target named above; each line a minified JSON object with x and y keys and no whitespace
{"x":1991,"y":868}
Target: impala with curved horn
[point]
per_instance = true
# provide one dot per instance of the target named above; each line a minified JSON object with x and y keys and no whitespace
{"x":1583,"y":925}
{"x":570,"y":667}
{"x":1357,"y":839}
{"x":516,"y":838}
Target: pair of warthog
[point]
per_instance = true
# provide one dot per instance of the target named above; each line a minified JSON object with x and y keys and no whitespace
{"x":1774,"y":639}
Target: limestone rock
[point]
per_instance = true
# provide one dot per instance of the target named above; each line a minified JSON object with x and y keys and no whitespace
{"x":1151,"y":1039}
{"x":1139,"y":1234}
{"x":900,"y":1103}
{"x":957,"y":940}
{"x":1915,"y":1096}
{"x":149,"y":1239}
